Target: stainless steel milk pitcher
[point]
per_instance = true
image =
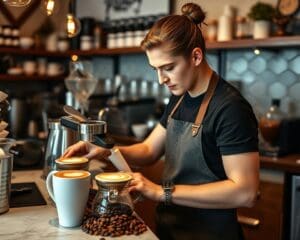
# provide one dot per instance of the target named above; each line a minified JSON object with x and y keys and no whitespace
{"x":59,"y":138}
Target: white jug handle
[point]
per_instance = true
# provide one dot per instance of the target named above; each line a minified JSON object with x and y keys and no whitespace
{"x":49,"y":184}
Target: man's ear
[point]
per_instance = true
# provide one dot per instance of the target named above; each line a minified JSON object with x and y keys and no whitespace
{"x":197,"y":56}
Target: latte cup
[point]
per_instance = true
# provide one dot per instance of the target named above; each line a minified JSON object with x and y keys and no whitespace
{"x":69,"y":189}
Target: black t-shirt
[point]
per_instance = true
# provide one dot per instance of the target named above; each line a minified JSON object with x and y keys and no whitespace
{"x":229,"y":125}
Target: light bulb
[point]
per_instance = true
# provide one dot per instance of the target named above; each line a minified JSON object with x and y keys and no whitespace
{"x":73,"y":25}
{"x":17,"y":3}
{"x":50,"y":6}
{"x":256,"y":51}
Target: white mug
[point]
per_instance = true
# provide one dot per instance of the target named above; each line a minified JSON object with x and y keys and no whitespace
{"x":69,"y":189}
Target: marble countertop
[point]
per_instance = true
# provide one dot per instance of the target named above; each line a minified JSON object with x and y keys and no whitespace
{"x":40,"y":222}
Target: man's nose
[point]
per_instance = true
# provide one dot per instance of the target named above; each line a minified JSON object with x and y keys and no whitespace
{"x":162,"y":78}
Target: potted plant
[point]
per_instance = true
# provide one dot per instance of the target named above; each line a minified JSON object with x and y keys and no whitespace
{"x":262,"y":14}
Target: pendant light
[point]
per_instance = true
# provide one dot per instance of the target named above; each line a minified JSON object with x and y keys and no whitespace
{"x":72,"y":24}
{"x":50,"y":6}
{"x":17,"y":3}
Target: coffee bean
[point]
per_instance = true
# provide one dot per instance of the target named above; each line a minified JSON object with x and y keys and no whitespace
{"x":113,"y":225}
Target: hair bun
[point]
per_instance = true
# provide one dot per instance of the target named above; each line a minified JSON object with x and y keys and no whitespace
{"x":194,"y":12}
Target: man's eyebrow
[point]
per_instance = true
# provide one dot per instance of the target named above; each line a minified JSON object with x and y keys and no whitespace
{"x":164,"y":65}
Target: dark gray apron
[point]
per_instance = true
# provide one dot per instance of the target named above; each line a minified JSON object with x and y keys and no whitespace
{"x":185,"y":164}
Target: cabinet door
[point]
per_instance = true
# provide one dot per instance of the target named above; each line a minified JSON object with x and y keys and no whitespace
{"x":264,"y":220}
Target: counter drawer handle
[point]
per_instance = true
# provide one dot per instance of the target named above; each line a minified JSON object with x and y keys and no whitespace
{"x":252,"y":222}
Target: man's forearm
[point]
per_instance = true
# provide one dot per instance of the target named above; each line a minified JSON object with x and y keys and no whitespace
{"x":137,"y":155}
{"x":222,"y":194}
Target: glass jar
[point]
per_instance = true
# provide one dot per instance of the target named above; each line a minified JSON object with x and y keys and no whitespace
{"x":269,"y":126}
{"x":112,"y":197}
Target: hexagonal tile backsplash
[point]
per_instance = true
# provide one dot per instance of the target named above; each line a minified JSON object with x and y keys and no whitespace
{"x":271,"y":74}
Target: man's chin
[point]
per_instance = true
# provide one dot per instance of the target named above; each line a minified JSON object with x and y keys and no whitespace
{"x":177,"y":92}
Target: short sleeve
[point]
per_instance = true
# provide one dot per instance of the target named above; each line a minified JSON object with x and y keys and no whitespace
{"x":236,"y":129}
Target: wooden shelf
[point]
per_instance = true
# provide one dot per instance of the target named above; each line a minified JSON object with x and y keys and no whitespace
{"x":33,"y":52}
{"x":91,"y":53}
{"x":7,"y":77}
{"x":107,"y":52}
{"x":273,"y":42}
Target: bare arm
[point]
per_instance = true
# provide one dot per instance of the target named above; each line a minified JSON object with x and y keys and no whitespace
{"x":140,"y":154}
{"x":239,"y":190}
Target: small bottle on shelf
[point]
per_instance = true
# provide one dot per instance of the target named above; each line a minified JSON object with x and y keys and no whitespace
{"x":98,"y":36}
{"x":139,"y":31}
{"x":120,"y":34}
{"x":129,"y":33}
{"x":212,"y":30}
{"x":111,"y":36}
{"x":241,"y":27}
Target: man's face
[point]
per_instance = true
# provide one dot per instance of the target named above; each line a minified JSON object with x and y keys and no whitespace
{"x":177,"y":73}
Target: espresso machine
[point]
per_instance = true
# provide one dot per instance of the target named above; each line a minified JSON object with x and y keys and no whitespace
{"x":75,"y":127}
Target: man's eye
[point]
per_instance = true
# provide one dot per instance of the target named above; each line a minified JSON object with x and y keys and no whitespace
{"x":169,"y":68}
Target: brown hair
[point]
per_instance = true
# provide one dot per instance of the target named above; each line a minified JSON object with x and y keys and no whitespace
{"x":182,"y":33}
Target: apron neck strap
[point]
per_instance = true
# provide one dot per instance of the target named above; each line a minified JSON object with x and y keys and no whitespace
{"x":175,"y":108}
{"x":204,"y":105}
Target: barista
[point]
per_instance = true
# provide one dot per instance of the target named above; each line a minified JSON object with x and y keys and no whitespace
{"x":208,"y":134}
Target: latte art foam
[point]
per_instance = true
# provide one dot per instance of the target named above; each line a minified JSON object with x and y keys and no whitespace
{"x":73,"y":160}
{"x":72,"y":174}
{"x":113,"y":177}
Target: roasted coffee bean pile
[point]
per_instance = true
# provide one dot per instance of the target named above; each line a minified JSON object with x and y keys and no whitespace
{"x":113,"y":225}
{"x":113,"y":209}
{"x":117,"y":221}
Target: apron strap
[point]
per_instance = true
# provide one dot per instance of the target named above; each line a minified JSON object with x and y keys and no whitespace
{"x":204,"y":105}
{"x":175,"y":108}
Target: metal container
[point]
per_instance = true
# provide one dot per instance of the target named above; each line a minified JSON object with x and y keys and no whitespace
{"x":59,"y":139}
{"x":6,"y":165}
{"x":89,"y":129}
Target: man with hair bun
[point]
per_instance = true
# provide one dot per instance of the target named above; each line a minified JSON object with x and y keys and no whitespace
{"x":208,"y":135}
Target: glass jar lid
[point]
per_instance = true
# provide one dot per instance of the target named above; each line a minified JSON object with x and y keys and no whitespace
{"x":72,"y":163}
{"x":113,"y":177}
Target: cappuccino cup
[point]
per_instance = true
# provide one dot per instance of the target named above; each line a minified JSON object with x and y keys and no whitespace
{"x":69,"y":189}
